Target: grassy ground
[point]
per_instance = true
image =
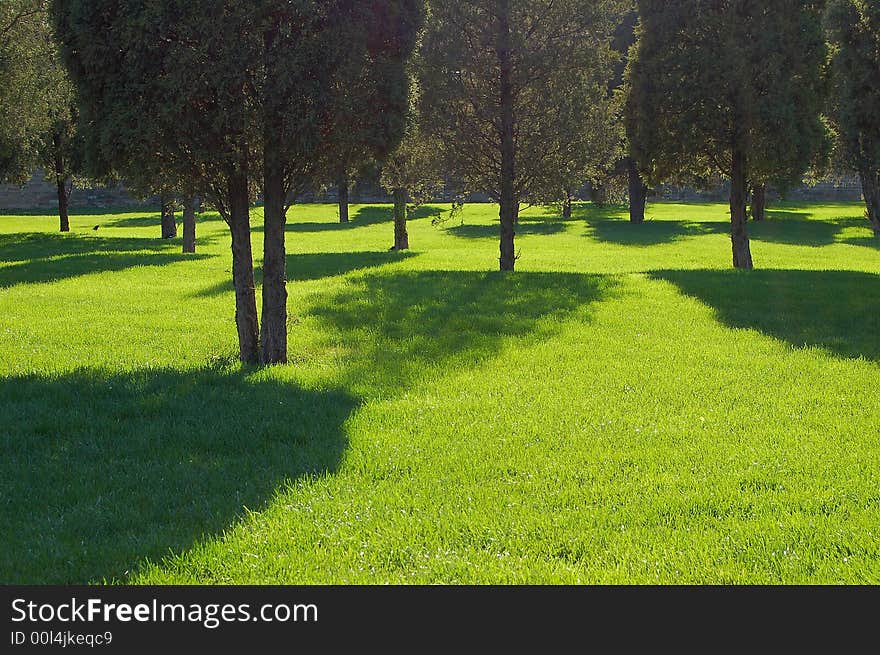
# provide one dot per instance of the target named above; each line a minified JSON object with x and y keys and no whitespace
{"x":624,"y":409}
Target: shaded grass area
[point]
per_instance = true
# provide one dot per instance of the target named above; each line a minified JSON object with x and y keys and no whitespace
{"x":317,"y":266}
{"x":652,"y":233}
{"x":400,"y":326}
{"x":363,"y":216}
{"x":100,"y":470}
{"x":41,"y":258}
{"x":833,"y":310}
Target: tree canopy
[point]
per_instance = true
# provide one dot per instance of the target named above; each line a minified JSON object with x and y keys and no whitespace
{"x":517,"y":94}
{"x":733,"y":88}
{"x":236,"y":98}
{"x":854,"y":33}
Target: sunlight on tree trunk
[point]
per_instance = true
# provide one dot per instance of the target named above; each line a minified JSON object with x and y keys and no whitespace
{"x":169,"y":224}
{"x":871,"y":193}
{"x":759,"y":202}
{"x":638,"y":193}
{"x":401,"y":237}
{"x":189,"y":225}
{"x":739,"y":235}
{"x":246,"y":318}
{"x":344,"y":193}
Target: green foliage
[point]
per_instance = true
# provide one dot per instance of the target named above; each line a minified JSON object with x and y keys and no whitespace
{"x":710,"y":77}
{"x":562,"y":65}
{"x":37,"y":112}
{"x":203,"y":86}
{"x":854,"y":32}
{"x":416,"y":165}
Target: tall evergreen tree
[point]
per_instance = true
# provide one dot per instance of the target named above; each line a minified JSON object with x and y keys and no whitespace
{"x":509,"y":87}
{"x":854,"y":31}
{"x":413,"y":172}
{"x":732,"y":87}
{"x":234,"y":97}
{"x":624,"y":40}
{"x":37,"y":110}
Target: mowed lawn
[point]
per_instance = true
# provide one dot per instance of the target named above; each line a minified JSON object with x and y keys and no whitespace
{"x":623,"y":409}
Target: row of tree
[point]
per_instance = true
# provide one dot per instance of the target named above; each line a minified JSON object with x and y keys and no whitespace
{"x":522,"y":100}
{"x":755,"y":91}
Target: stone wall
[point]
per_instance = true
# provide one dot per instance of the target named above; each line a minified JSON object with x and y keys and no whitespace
{"x":38,"y":194}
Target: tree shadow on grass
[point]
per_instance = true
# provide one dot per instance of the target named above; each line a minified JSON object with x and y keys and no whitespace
{"x":43,"y":258}
{"x":796,"y":229}
{"x":651,"y":232}
{"x":872,"y":241}
{"x":523,"y":228}
{"x":318,"y":266}
{"x":155,"y":220}
{"x":833,"y":310}
{"x":365,"y":216}
{"x":24,"y":247}
{"x":401,"y":328}
{"x":100,"y":471}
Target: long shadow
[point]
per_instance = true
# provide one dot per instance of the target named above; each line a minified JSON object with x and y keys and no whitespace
{"x":793,"y":228}
{"x":155,"y":220}
{"x":833,"y":310}
{"x":363,"y":217}
{"x":64,"y":268}
{"x":866,"y":242}
{"x":24,"y":247}
{"x":43,"y":258}
{"x":523,"y":228}
{"x":318,"y":266}
{"x":101,"y":471}
{"x":399,"y":328}
{"x":651,"y":233}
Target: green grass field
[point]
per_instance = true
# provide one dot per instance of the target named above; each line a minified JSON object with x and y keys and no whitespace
{"x":623,"y":409}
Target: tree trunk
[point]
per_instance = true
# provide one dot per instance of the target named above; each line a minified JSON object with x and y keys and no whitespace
{"x":509,"y":212}
{"x":638,"y":193}
{"x":61,"y":181}
{"x":243,"y":270}
{"x":401,"y":237}
{"x":274,"y":334}
{"x":871,"y":192}
{"x":739,"y":235}
{"x":189,"y":225}
{"x":274,"y":331}
{"x":63,"y":205}
{"x":169,"y":224}
{"x":343,"y":185}
{"x":566,"y":205}
{"x":759,"y":202}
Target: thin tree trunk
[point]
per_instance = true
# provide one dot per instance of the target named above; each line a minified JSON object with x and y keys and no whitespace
{"x":739,"y":235}
{"x":274,"y":331}
{"x":169,"y":224}
{"x":509,"y":213}
{"x":344,"y":195}
{"x":401,"y":237}
{"x":61,"y":181}
{"x":638,"y":192}
{"x":246,"y":319}
{"x":566,"y":205}
{"x":871,"y":192}
{"x":189,"y":225}
{"x":759,"y":202}
{"x":63,"y":205}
